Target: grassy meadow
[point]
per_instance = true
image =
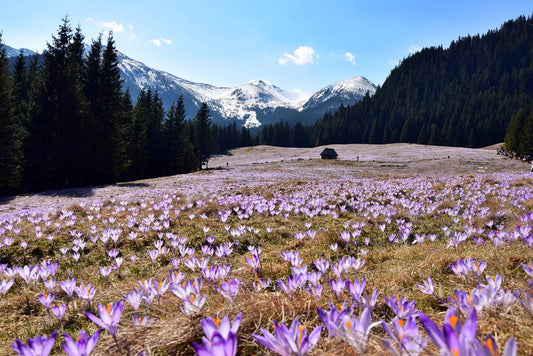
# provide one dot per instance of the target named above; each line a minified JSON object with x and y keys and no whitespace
{"x":272,"y":254}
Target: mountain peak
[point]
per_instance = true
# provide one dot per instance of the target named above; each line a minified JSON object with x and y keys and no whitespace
{"x":345,"y":92}
{"x":13,"y":52}
{"x":253,"y":104}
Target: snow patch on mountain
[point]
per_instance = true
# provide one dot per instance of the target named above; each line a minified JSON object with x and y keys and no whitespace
{"x":13,"y":52}
{"x":345,"y":92}
{"x":251,"y":104}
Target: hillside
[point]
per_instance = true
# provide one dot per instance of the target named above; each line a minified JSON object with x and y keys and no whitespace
{"x":463,"y":95}
{"x":254,"y":167}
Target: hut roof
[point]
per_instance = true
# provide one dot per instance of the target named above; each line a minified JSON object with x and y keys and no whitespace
{"x":329,"y":152}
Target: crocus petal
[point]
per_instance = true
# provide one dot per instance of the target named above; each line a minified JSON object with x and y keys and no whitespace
{"x":209,"y":326}
{"x":97,"y":321}
{"x":468,"y":330}
{"x":70,"y":346}
{"x":510,"y":347}
{"x":236,"y":323}
{"x":433,"y":331}
{"x":452,"y":342}
{"x":313,"y":337}
{"x":91,"y":343}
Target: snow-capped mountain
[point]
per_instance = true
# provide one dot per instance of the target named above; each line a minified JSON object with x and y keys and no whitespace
{"x":12,"y":52}
{"x":345,"y":92}
{"x":251,"y":105}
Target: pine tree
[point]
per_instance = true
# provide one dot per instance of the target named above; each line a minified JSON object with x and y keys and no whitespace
{"x":10,"y":131}
{"x":92,"y":80}
{"x":513,"y":134}
{"x":204,"y":143}
{"x":175,"y":138}
{"x":58,"y":151}
{"x":110,"y":124}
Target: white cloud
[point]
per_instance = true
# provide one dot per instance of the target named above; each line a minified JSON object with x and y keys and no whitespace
{"x":159,"y":41}
{"x":156,"y":42}
{"x":113,"y":26}
{"x":302,"y":56}
{"x":413,"y":49}
{"x":393,"y":63}
{"x":350,"y":57}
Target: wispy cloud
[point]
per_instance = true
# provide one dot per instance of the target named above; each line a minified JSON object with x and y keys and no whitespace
{"x":413,"y":49}
{"x":114,"y":26}
{"x":393,"y":63}
{"x":350,"y":57}
{"x":159,"y":41}
{"x":302,"y":55}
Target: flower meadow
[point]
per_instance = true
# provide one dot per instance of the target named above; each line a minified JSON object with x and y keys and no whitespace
{"x":400,"y":266}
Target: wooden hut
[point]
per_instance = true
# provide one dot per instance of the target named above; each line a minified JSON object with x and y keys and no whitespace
{"x":329,"y":153}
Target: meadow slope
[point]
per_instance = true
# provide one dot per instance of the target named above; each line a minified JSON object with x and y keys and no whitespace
{"x":400,"y":234}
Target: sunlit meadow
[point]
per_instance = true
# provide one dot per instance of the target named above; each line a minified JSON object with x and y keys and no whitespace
{"x":400,"y":266}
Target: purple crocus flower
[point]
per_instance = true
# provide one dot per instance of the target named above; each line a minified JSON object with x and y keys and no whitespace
{"x":109,"y":317}
{"x":28,"y":273}
{"x":46,"y":299}
{"x":82,"y":346}
{"x":402,"y":307}
{"x":220,"y":337}
{"x":142,"y":322}
{"x":454,"y":338}
{"x":38,"y":346}
{"x":333,"y":318}
{"x":229,"y":289}
{"x":354,"y":331}
{"x":68,"y":286}
{"x":337,"y":286}
{"x":134,"y":298}
{"x":289,"y":341}
{"x":489,"y":347}
{"x":406,"y":335}
{"x":427,"y":288}
{"x":5,"y":285}
{"x":356,"y":288}
{"x":528,"y":268}
{"x":59,"y":310}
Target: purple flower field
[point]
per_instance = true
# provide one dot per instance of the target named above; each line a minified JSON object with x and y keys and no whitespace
{"x":401,"y":265}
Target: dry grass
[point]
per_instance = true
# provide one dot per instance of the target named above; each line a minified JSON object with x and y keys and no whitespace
{"x":393,"y":269}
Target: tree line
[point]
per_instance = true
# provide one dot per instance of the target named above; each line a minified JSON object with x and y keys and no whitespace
{"x":466,"y":95}
{"x":65,"y":121}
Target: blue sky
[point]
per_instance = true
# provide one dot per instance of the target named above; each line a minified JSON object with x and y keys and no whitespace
{"x":297,"y":45}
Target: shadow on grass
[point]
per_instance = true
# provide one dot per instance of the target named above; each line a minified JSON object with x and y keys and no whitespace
{"x":6,"y":199}
{"x":83,"y":192}
{"x":132,"y":185}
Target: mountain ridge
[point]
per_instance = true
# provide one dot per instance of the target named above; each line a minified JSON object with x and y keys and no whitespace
{"x":251,"y":105}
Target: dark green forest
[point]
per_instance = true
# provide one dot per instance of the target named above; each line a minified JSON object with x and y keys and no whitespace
{"x":65,"y":121}
{"x":464,"y":95}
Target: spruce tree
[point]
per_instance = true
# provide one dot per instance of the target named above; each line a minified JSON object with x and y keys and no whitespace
{"x":59,"y":153}
{"x":175,"y":138}
{"x":110,"y":121}
{"x":10,"y":131}
{"x":513,"y":133}
{"x":204,"y":143}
